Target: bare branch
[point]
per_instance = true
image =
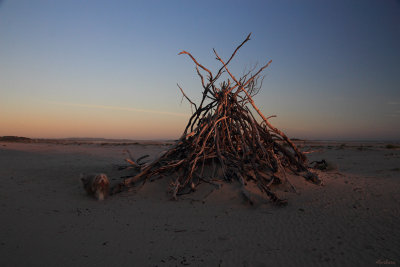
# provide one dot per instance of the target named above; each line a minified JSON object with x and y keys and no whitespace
{"x":188,"y":99}
{"x":233,"y":54}
{"x":195,"y":61}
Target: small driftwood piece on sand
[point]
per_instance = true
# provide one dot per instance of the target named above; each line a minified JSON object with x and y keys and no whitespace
{"x":224,"y":136}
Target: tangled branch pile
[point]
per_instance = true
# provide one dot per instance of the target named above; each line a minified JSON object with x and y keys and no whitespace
{"x":222,"y":135}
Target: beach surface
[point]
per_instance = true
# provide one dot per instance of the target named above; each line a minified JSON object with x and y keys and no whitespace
{"x":48,"y":220}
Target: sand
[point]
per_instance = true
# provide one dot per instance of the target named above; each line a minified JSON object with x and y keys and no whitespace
{"x":48,"y":220}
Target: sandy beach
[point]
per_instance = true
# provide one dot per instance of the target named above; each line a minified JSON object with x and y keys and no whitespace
{"x":48,"y":220}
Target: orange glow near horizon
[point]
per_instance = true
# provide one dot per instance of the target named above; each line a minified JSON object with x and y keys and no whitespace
{"x":35,"y":118}
{"x":63,"y":120}
{"x":72,"y":120}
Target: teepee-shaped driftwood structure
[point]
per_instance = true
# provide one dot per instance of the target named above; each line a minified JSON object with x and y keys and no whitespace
{"x":223,"y":137}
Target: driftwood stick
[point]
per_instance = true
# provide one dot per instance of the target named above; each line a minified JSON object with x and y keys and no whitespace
{"x":188,"y":99}
{"x":195,"y":61}
{"x":233,"y":54}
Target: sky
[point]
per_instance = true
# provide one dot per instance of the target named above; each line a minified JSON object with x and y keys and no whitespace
{"x":110,"y":69}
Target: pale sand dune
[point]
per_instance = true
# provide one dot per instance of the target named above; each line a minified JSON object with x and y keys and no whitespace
{"x":47,"y":220}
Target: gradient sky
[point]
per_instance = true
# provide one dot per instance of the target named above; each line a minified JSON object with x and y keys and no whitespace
{"x":110,"y":68}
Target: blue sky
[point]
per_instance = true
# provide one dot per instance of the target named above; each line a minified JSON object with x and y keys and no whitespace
{"x":110,"y":68}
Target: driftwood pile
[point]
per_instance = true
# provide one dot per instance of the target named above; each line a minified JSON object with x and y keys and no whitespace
{"x":223,"y":138}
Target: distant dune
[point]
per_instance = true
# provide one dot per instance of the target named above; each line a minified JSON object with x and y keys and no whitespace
{"x":15,"y":139}
{"x":85,"y":141}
